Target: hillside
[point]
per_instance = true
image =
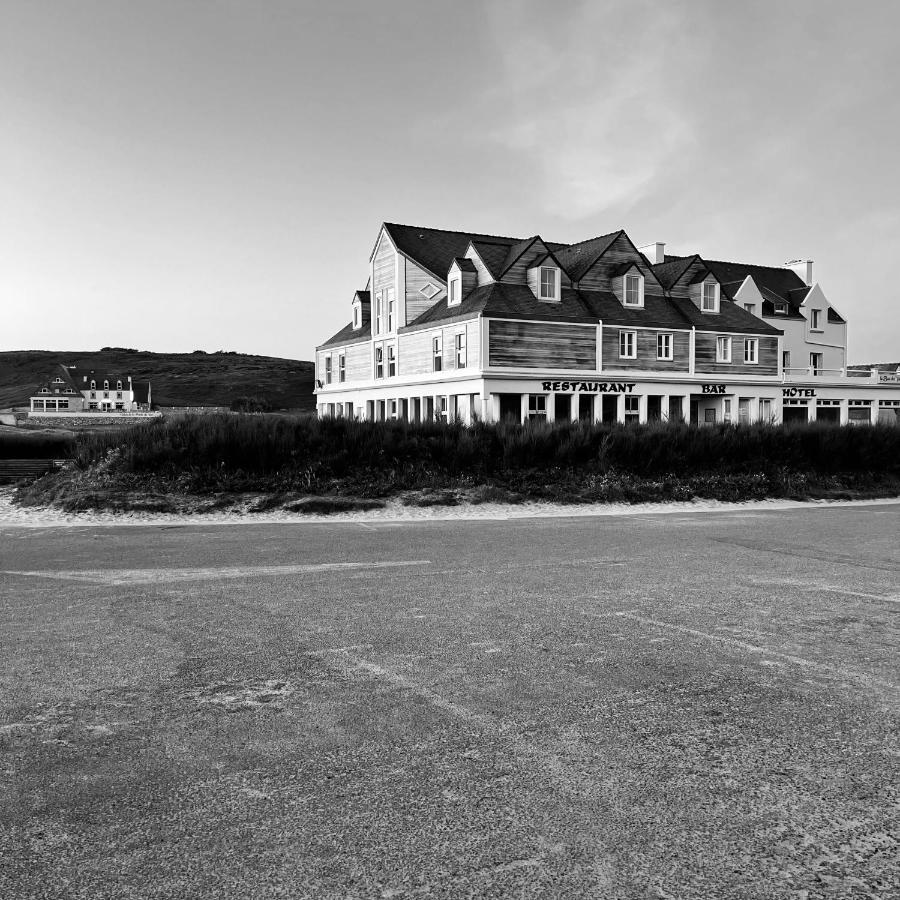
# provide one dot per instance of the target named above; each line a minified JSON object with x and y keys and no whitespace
{"x":177,"y":379}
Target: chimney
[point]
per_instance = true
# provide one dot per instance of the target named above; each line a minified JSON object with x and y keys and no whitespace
{"x":656,"y":252}
{"x":804,"y":268}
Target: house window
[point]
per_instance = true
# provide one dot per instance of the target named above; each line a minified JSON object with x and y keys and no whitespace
{"x":628,"y":344}
{"x":105,"y":393}
{"x":379,"y":306}
{"x":93,"y":384}
{"x":57,"y":380}
{"x":62,"y":404}
{"x":118,"y":395}
{"x":751,"y":351}
{"x":632,"y":409}
{"x":391,"y":310}
{"x":815,"y":319}
{"x":454,"y":292}
{"x":548,"y":283}
{"x":44,"y":390}
{"x":461,"y":350}
{"x":537,"y":406}
{"x":379,"y":362}
{"x":785,"y":359}
{"x":342,"y":367}
{"x":815,"y":363}
{"x":93,"y":395}
{"x":710,"y":299}
{"x":765,"y":410}
{"x":723,"y":349}
{"x":726,"y":409}
{"x":120,"y":406}
{"x":118,"y":385}
{"x":392,"y":361}
{"x":356,"y":317}
{"x":92,"y":405}
{"x":664,"y":346}
{"x":437,"y":355}
{"x":781,"y":309}
{"x":106,"y":385}
{"x":751,"y":308}
{"x":633,"y":292}
{"x":327,"y":370}
{"x":442,"y":408}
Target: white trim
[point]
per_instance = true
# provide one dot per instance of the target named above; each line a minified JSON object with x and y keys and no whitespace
{"x":755,"y":343}
{"x":717,"y":295}
{"x":721,"y":357}
{"x":670,"y":356}
{"x":623,"y":332}
{"x":556,"y":296}
{"x":633,"y":272}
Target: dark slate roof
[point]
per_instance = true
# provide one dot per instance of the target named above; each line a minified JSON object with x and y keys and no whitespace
{"x":364,"y":297}
{"x":350,"y":335}
{"x":730,"y":318}
{"x":492,"y":253}
{"x":778,"y":280}
{"x":434,"y":248}
{"x":516,"y":251}
{"x":576,"y":259}
{"x":141,"y":391}
{"x":657,"y":312}
{"x":669,"y":272}
{"x":835,"y":318}
{"x":770,"y":299}
{"x":465,"y":264}
{"x":67,"y":375}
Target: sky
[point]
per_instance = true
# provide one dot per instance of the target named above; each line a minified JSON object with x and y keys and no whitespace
{"x":212,"y":175}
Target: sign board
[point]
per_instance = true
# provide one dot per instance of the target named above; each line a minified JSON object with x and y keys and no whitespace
{"x":798,"y":392}
{"x":713,"y":388}
{"x":888,"y":378}
{"x":590,"y":387}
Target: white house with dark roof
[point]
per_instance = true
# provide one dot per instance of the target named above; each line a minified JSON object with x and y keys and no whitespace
{"x":70,"y":390}
{"x":457,"y":324}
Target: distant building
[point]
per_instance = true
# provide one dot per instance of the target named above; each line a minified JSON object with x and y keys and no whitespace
{"x":71,"y":390}
{"x":458,"y":325}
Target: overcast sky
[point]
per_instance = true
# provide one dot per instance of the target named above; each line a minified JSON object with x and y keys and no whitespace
{"x":212,"y":175}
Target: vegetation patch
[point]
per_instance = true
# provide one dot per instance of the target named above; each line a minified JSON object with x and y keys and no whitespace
{"x":304,"y":464}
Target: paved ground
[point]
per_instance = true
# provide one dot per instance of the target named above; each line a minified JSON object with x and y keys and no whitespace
{"x":683,"y":705}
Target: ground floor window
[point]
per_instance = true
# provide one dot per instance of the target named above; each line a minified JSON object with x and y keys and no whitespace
{"x":537,"y":406}
{"x":860,"y":415}
{"x":765,"y":410}
{"x":92,"y":405}
{"x":726,"y":409}
{"x":744,"y":411}
{"x":442,"y":408}
{"x":632,"y":409}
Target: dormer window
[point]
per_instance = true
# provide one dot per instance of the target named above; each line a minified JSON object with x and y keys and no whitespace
{"x":357,"y":316}
{"x":781,"y":309}
{"x":453,"y":297}
{"x":549,"y":283}
{"x":57,"y":380}
{"x":709,"y":298}
{"x":118,"y":385}
{"x":632,"y":289}
{"x":105,"y":385}
{"x":815,"y":319}
{"x":93,"y":384}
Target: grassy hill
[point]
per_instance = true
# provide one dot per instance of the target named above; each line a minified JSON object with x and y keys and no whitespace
{"x":177,"y":379}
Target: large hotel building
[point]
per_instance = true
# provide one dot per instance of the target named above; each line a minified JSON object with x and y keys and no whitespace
{"x":455,"y":325}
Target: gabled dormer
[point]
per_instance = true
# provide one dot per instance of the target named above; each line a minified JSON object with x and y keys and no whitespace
{"x":462,"y":279}
{"x":359,"y":307}
{"x":748,"y":296}
{"x":705,"y":292}
{"x":628,"y":285}
{"x":546,"y":278}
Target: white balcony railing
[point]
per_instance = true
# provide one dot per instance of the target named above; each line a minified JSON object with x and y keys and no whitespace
{"x":857,"y":375}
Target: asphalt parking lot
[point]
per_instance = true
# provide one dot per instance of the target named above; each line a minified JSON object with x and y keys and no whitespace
{"x":681,"y":705}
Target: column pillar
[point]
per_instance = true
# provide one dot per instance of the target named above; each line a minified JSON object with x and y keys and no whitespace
{"x":845,"y":412}
{"x":664,"y":408}
{"x":576,"y":405}
{"x":551,"y":407}
{"x":642,"y":409}
{"x":620,"y":407}
{"x":523,"y":408}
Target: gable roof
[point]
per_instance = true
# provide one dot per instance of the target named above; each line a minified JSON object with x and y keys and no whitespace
{"x":670,"y":272}
{"x":493,"y":254}
{"x":516,"y":251}
{"x":465,"y":264}
{"x":364,"y":297}
{"x":576,"y":259}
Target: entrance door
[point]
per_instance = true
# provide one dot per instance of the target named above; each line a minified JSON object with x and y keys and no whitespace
{"x":654,"y":408}
{"x":676,"y":409}
{"x":744,"y":411}
{"x":610,"y":408}
{"x":563,"y":411}
{"x":794,"y":414}
{"x":829,"y":414}
{"x":510,"y":407}
{"x":586,"y":408}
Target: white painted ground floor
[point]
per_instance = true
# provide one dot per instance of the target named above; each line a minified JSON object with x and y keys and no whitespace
{"x":623,"y":398}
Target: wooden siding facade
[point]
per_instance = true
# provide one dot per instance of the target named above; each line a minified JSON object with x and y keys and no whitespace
{"x":705,"y":355}
{"x":600,"y":277}
{"x":416,"y":354}
{"x":541,"y":345}
{"x":357,"y":363}
{"x":416,"y":302}
{"x":646,"y":350}
{"x":516,"y":274}
{"x":384,"y":273}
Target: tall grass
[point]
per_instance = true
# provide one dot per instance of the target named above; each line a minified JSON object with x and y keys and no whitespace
{"x":20,"y":443}
{"x":213,"y":446}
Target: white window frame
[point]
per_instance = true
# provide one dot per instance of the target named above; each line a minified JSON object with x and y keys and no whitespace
{"x":537,"y":406}
{"x":460,"y":347}
{"x":785,"y":359}
{"x":751,"y":351}
{"x":391,"y":360}
{"x":815,"y":320}
{"x":437,"y":353}
{"x":632,"y":410}
{"x":93,"y":385}
{"x":640,"y":289}
{"x":664,"y":338}
{"x":379,"y":311}
{"x":715,"y":296}
{"x":454,"y":291}
{"x":379,"y":361}
{"x":817,"y":369}
{"x":750,"y":308}
{"x":357,"y":316}
{"x":327,"y":370}
{"x":723,"y":348}
{"x":391,"y":311}
{"x":342,"y":367}
{"x":553,"y":296}
{"x":626,"y":338}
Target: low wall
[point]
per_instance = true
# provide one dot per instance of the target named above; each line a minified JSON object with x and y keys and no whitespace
{"x":81,"y":420}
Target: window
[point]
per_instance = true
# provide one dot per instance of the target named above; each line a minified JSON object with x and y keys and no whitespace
{"x":118,"y":385}
{"x":751,"y":308}
{"x":437,"y":354}
{"x":92,"y":405}
{"x":106,"y":385}
{"x":460,"y":351}
{"x":391,"y":310}
{"x":548,"y":284}
{"x":327,"y":370}
{"x":633,"y":290}
{"x":118,"y":395}
{"x":454,"y":292}
{"x":628,"y":344}
{"x":781,"y":309}
{"x":785,"y":359}
{"x":709,"y":301}
{"x":44,"y":390}
{"x":723,"y":349}
{"x":93,"y":384}
{"x":379,"y":362}
{"x":356,"y":321}
{"x":664,"y":346}
{"x":106,"y":394}
{"x":442,"y":408}
{"x":57,"y":380}
{"x":392,"y":360}
{"x":120,"y":406}
{"x":392,"y":407}
{"x":726,"y":409}
{"x":815,"y":319}
{"x":62,"y":404}
{"x":537,"y":406}
{"x":751,"y":351}
{"x":632,"y":409}
{"x":342,"y":367}
{"x":765,"y":410}
{"x":379,"y":305}
{"x":93,"y":395}
{"x":815,"y":363}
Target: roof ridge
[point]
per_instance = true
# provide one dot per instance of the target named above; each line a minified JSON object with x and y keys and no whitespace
{"x":469,"y":234}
